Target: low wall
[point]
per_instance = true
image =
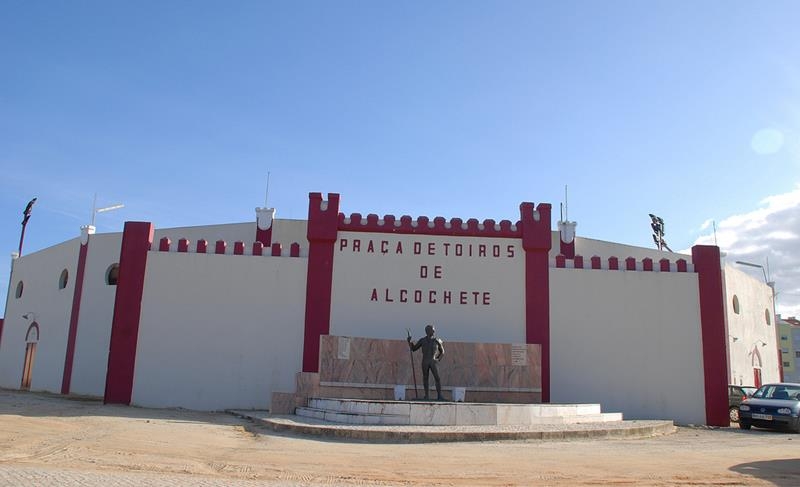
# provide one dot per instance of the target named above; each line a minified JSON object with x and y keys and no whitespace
{"x":370,"y":368}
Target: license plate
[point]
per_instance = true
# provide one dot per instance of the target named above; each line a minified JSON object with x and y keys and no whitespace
{"x":767,"y":417}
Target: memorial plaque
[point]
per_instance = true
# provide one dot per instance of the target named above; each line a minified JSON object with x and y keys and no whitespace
{"x":519,"y":354}
{"x":344,"y":348}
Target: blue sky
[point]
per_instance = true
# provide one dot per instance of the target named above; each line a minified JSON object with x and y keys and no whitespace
{"x":690,"y":110}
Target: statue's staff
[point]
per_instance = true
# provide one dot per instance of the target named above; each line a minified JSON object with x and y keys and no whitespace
{"x":413,"y":367}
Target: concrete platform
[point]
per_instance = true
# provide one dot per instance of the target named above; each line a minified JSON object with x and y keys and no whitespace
{"x":436,"y":413}
{"x":427,"y":434}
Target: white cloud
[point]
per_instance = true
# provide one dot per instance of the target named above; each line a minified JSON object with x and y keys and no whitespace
{"x":769,"y":233}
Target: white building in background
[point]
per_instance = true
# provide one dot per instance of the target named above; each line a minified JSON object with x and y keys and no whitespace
{"x":221,"y":316}
{"x":789,"y":343}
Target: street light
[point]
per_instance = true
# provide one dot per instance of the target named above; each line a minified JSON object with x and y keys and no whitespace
{"x":96,"y":210}
{"x":771,"y":285}
{"x":750,"y":264}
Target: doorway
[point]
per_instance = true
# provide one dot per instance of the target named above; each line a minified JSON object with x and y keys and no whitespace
{"x":31,"y":339}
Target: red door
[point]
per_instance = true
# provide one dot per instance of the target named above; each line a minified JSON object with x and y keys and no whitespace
{"x":757,"y":377}
{"x":30,"y":354}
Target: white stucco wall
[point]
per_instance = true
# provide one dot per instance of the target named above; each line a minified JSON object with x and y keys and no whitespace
{"x":39,"y":272}
{"x":357,"y":274}
{"x":219,"y":331}
{"x":628,"y":340}
{"x":749,"y":330}
{"x":96,"y":314}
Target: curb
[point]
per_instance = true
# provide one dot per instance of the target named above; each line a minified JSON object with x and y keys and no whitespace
{"x":624,"y":429}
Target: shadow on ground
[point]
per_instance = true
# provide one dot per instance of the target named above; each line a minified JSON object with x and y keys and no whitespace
{"x":44,"y":404}
{"x":783,"y":473}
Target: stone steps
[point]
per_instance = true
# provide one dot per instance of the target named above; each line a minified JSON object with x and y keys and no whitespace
{"x":423,"y":413}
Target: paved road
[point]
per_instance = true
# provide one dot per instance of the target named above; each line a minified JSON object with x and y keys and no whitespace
{"x":48,"y":440}
{"x":15,"y":476}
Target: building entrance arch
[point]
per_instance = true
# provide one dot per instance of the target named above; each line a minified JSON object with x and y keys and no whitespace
{"x":756,"y":362}
{"x":31,"y":339}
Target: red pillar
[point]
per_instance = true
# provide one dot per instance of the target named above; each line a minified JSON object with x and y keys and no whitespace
{"x":72,"y":335}
{"x":536,"y":241}
{"x":706,"y":260}
{"x":137,"y":239}
{"x":323,"y":227}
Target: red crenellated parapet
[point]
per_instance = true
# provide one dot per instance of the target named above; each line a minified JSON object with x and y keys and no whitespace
{"x":258,"y":248}
{"x":276,"y":249}
{"x":423,"y":225}
{"x":202,"y":246}
{"x":664,"y":265}
{"x":578,"y":260}
{"x":647,"y":264}
{"x":561,"y":261}
{"x":613,"y":263}
{"x":220,"y":247}
{"x":238,"y":248}
{"x":183,"y":245}
{"x":163,"y":244}
{"x":596,"y":262}
{"x":294,"y":250}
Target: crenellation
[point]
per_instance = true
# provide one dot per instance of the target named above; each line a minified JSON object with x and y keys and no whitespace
{"x":424,"y":225}
{"x":183,"y":245}
{"x":164,"y":244}
{"x":647,"y":264}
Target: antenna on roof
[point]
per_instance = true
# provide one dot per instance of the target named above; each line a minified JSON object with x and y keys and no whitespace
{"x":714,"y":224}
{"x":566,"y":203}
{"x":266,"y":195}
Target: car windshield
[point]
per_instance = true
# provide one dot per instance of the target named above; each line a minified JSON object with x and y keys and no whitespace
{"x":779,"y":391}
{"x":749,"y":390}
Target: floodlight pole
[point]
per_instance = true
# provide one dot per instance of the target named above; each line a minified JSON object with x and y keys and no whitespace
{"x":26,"y":215}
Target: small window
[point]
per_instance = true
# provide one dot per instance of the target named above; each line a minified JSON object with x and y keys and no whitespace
{"x":784,"y":350}
{"x":797,"y":354}
{"x":784,"y":337}
{"x":787,"y":364}
{"x":18,"y":293}
{"x":736,"y":304}
{"x":63,"y":279}
{"x":767,"y":317}
{"x":112,"y":275}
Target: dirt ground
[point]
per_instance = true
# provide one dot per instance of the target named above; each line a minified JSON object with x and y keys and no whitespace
{"x":43,"y":431}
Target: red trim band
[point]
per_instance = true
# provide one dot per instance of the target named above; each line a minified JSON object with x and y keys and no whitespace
{"x":66,"y":380}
